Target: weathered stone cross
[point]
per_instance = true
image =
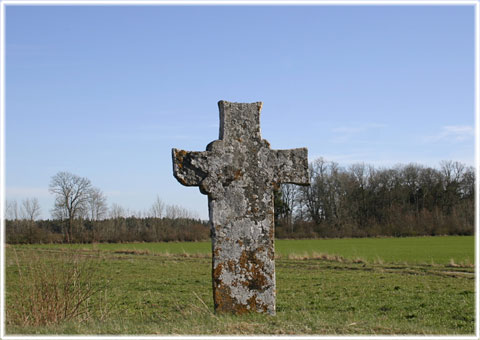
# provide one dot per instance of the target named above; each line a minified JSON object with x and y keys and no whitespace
{"x":239,"y":172}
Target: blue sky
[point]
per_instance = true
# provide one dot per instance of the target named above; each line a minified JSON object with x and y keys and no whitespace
{"x":105,"y":92}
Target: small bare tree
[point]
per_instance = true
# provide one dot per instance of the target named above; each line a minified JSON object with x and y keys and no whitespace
{"x":158,"y":208}
{"x":117,"y":211}
{"x":452,"y":175}
{"x":289,"y":198}
{"x":71,"y":198}
{"x":97,"y":204}
{"x":175,"y":211}
{"x":30,"y":209}
{"x":11,"y":207}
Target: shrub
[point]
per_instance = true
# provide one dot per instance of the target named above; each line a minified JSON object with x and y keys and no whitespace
{"x":52,"y":287}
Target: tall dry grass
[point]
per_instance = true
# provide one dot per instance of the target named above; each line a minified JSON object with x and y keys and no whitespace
{"x":49,"y":288}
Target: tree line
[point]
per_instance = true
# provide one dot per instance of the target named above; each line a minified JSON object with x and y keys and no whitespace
{"x":361,"y":201}
{"x":80,"y":214}
{"x":356,"y":201}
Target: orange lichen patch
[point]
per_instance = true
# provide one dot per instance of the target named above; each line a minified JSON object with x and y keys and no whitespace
{"x":243,"y":261}
{"x":258,"y":281}
{"x":253,"y":268}
{"x":271,"y":232}
{"x":237,"y":174}
{"x":223,"y":300}
{"x":217,"y":271}
{"x":231,"y":265}
{"x":252,"y":302}
{"x":225,"y":303}
{"x":271,"y":253}
{"x":240,"y":243}
{"x":179,"y":156}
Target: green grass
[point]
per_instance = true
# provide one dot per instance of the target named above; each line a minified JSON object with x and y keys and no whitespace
{"x":413,"y":250}
{"x":150,"y":293}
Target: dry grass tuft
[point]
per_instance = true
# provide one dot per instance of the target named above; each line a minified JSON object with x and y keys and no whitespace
{"x":359,"y":260}
{"x":162,"y":254}
{"x":294,"y":256}
{"x":462,"y":264}
{"x":196,"y":255}
{"x":317,"y":256}
{"x":132,"y":252}
{"x":328,"y":257}
{"x":452,"y":263}
{"x":55,"y":288}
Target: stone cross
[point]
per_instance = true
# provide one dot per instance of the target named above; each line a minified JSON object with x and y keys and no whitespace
{"x":239,"y":172}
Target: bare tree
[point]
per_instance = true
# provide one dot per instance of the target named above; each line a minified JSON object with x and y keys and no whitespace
{"x":452,"y":171}
{"x":97,"y":204}
{"x":311,"y":196}
{"x":172,"y":211}
{"x":468,"y":183}
{"x":71,"y":198}
{"x":30,"y":209}
{"x":290,"y":200}
{"x":157,"y":209}
{"x":175,"y":211}
{"x":11,"y":207}
{"x":117,"y":211}
{"x":452,"y":175}
{"x":141,"y":213}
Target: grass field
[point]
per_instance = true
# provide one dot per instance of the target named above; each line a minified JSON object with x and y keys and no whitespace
{"x":413,"y":250}
{"x":372,"y":286}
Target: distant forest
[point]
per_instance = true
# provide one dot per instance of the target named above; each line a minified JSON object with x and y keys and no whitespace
{"x":361,"y":201}
{"x":358,"y":201}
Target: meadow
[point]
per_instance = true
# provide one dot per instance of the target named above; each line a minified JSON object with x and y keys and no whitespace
{"x":412,"y":250}
{"x":377,"y":286}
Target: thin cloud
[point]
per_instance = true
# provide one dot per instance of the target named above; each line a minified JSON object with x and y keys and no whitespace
{"x":346,"y":133}
{"x":453,"y":133}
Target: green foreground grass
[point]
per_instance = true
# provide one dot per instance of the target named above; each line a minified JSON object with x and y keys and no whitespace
{"x":160,"y":292}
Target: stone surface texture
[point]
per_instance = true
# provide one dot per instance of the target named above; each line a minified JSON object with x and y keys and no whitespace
{"x":239,"y":172}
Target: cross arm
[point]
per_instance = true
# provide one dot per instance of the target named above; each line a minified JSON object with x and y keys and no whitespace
{"x":190,"y":167}
{"x":291,"y":166}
